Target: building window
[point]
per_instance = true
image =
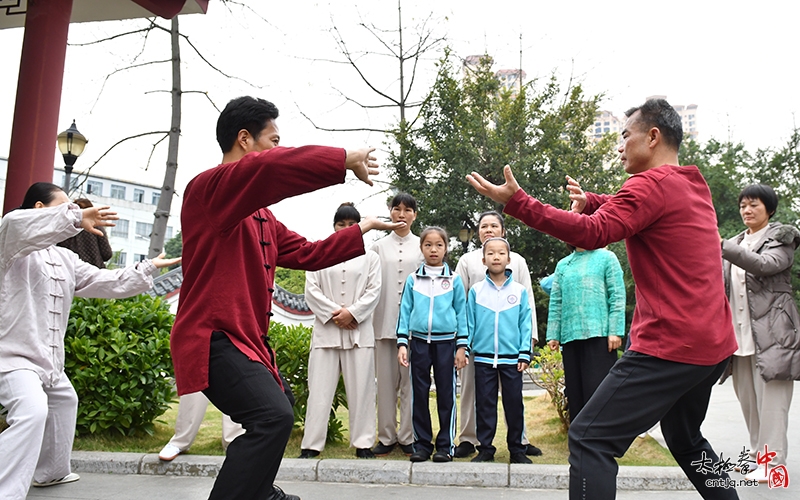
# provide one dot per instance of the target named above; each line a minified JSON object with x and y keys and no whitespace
{"x":138,"y":257}
{"x":120,"y":229}
{"x":119,"y":259}
{"x":598,"y":130}
{"x":94,"y":187}
{"x":143,"y":229}
{"x":169,"y":232}
{"x":606,"y":130}
{"x":118,"y":192}
{"x":138,"y":195}
{"x":156,"y":196}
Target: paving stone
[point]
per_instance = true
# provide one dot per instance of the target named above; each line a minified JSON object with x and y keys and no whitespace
{"x":183,"y":465}
{"x":105,"y":462}
{"x":460,"y":474}
{"x":364,"y":471}
{"x":298,"y":469}
{"x":539,"y":476}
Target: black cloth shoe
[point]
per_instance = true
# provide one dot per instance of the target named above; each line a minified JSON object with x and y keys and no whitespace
{"x":484,"y":456}
{"x":519,"y":458}
{"x":408,"y":449}
{"x":305,"y":453}
{"x":364,"y":453}
{"x":533,"y":451}
{"x":420,"y":456}
{"x":441,"y":456}
{"x":464,"y":449}
{"x":383,"y":449}
{"x":278,"y":494}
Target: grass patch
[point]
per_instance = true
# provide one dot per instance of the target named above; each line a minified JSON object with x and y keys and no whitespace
{"x":543,"y":427}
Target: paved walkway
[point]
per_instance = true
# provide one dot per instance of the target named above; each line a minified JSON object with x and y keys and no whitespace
{"x":122,"y":476}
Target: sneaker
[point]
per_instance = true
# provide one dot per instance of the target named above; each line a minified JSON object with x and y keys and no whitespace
{"x":464,"y":449}
{"x":441,"y":456}
{"x":169,"y":452}
{"x":305,"y":453}
{"x":420,"y":456}
{"x":484,"y":456}
{"x":520,"y":458}
{"x":278,"y":494}
{"x":407,"y":449}
{"x":533,"y":451}
{"x":69,"y":478}
{"x":364,"y":453}
{"x":383,"y":449}
{"x":758,"y":474}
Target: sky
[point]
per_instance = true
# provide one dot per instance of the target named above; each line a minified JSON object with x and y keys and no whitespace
{"x":735,"y":60}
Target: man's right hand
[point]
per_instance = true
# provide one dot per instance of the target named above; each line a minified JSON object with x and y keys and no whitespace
{"x":576,"y":195}
{"x":362,"y":163}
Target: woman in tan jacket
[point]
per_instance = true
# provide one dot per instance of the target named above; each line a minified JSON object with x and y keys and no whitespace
{"x":757,"y":270}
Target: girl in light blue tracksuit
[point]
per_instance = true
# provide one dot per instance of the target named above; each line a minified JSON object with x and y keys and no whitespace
{"x":433,"y":326}
{"x":499,"y":319}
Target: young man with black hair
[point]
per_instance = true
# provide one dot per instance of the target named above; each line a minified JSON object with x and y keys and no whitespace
{"x":231,"y":245}
{"x":681,"y":335}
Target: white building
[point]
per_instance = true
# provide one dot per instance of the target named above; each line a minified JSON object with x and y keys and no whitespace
{"x":605,"y":123}
{"x":688,"y":114}
{"x":135,"y":205}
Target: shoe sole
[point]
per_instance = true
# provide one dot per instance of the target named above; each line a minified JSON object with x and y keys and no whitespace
{"x":70,"y":478}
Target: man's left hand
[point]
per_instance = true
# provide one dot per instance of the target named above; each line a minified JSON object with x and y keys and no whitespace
{"x":500,"y":194}
{"x":362,"y":163}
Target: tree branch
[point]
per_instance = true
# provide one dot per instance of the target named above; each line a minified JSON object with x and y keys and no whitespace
{"x":102,"y":87}
{"x":153,"y":150}
{"x":382,"y":131}
{"x":120,"y":35}
{"x":203,"y":92}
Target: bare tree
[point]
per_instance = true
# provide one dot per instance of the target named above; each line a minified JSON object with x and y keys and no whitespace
{"x":162,"y":213}
{"x":407,"y":57}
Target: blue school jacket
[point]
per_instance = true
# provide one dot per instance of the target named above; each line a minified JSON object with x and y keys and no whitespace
{"x":499,"y":322}
{"x":433,"y":308}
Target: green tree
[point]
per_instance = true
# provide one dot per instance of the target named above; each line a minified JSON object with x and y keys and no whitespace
{"x":291,"y":280}
{"x":471,"y":124}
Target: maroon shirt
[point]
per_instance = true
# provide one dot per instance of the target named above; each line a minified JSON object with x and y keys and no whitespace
{"x":669,"y":225}
{"x":231,"y":245}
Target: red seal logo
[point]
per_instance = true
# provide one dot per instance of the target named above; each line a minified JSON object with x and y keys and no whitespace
{"x":512,"y":299}
{"x":445,"y":284}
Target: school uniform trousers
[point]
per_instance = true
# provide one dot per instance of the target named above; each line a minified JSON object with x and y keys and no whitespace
{"x":191,"y":412}
{"x":440,"y":356}
{"x":400,"y":256}
{"x":353,"y":285}
{"x":471,"y":269}
{"x":487,"y":379}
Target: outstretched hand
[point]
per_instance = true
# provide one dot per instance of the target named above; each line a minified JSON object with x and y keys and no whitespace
{"x":500,"y":194}
{"x":94,"y":217}
{"x":576,"y":195}
{"x":368,"y":223}
{"x":362,"y":163}
{"x":160,"y":261}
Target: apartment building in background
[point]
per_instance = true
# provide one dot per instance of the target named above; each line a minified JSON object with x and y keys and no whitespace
{"x":135,"y":205}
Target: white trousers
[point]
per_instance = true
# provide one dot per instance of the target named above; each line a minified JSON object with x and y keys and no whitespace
{"x":468,"y":431}
{"x":765,"y":406}
{"x":393,"y":381}
{"x":191,"y":411}
{"x":358,"y":370}
{"x":38,"y":442}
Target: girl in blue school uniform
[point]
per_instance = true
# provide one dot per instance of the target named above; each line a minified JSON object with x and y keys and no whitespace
{"x":432,"y":333}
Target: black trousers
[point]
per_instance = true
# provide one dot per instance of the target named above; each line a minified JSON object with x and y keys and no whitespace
{"x":247,"y":392}
{"x":586,"y":364}
{"x":486,"y":382}
{"x":639,"y":391}
{"x":441,"y":357}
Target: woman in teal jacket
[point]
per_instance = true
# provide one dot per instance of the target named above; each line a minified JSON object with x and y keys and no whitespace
{"x":587,"y":318}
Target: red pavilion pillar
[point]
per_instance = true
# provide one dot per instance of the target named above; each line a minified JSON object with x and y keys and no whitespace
{"x":41,"y":75}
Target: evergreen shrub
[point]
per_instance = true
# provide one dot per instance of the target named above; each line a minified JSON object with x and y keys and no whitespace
{"x":292,"y":345}
{"x":118,"y":359}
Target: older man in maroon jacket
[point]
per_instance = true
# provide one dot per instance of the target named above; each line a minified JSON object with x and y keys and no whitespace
{"x":231,"y":245}
{"x":681,"y":335}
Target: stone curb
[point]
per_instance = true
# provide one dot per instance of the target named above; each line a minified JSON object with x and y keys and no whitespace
{"x":497,"y":475}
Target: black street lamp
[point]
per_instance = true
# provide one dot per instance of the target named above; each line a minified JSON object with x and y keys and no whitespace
{"x":71,"y":144}
{"x":465,"y":235}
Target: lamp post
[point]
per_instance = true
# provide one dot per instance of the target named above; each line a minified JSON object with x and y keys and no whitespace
{"x":465,"y":235}
{"x":71,"y":144}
